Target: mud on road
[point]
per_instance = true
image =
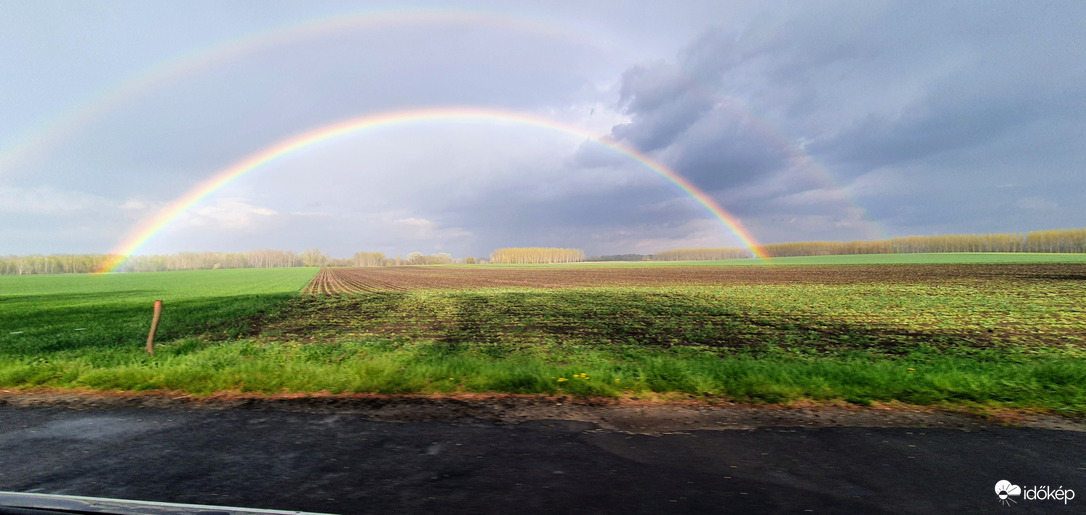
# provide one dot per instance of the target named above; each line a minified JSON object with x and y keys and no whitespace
{"x":639,"y":416}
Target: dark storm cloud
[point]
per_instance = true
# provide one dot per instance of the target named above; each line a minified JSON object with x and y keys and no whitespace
{"x":664,"y":101}
{"x":1005,"y":71}
{"x":726,"y":148}
{"x":868,"y":86}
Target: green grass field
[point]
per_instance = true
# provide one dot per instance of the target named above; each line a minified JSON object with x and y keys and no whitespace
{"x":1004,"y":343}
{"x":63,"y":313}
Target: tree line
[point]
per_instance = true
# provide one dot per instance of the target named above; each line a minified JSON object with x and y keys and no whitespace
{"x":414,"y":258}
{"x":525,"y":255}
{"x":1052,"y":241}
{"x":263,"y":258}
{"x":53,"y":264}
{"x":622,"y":257}
{"x":702,"y":254}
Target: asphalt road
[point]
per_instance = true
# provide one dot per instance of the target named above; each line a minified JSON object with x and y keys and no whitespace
{"x":344,"y":463}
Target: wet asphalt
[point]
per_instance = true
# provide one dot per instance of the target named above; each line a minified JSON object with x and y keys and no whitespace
{"x":345,"y":463}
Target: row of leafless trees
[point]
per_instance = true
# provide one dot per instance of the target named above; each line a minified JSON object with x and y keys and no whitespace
{"x":414,"y":258}
{"x":1059,"y":241}
{"x":521,"y":255}
{"x":54,"y":264}
{"x":828,"y":248}
{"x":264,"y":258}
{"x":702,"y":254}
{"x":369,"y":259}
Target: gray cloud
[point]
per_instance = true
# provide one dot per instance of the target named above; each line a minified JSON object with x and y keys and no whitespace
{"x":806,"y":120}
{"x":864,"y":86}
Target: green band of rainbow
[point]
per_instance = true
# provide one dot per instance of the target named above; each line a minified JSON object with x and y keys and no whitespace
{"x":177,"y":207}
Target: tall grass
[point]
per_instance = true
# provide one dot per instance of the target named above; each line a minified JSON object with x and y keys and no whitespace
{"x":390,"y":366}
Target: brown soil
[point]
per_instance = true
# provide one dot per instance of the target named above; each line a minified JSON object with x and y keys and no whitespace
{"x":630,"y":415}
{"x":373,"y":279}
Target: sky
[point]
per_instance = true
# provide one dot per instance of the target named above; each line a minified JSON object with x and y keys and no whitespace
{"x":813,"y":120}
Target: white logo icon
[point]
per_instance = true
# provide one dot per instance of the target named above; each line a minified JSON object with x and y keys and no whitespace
{"x":1004,"y":489}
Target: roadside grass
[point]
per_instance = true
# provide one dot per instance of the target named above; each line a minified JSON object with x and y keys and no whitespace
{"x":381,"y":365}
{"x":1002,"y":343}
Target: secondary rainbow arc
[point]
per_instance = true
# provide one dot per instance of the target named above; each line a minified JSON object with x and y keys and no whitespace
{"x":160,"y":220}
{"x":47,"y":133}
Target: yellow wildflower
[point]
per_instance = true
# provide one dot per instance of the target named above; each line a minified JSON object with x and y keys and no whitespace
{"x":560,"y":379}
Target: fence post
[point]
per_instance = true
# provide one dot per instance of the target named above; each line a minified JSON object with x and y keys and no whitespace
{"x":154,"y":328}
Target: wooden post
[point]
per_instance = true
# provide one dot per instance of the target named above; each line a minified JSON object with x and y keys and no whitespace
{"x":154,"y":327}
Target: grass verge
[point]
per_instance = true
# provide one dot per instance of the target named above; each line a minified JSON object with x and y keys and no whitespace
{"x":402,"y":366}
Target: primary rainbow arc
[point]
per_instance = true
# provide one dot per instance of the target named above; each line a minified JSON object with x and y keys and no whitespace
{"x":148,"y":229}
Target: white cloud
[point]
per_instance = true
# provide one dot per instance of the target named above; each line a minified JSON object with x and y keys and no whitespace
{"x":595,"y":118}
{"x":225,"y":213}
{"x":415,"y":228}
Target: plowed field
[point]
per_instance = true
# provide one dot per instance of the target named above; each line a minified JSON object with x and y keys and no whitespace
{"x":385,"y":279}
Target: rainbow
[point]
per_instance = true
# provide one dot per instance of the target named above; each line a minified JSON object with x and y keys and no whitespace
{"x":51,"y":133}
{"x":148,"y":229}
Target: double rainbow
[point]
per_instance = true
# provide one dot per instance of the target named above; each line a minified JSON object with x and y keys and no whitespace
{"x":148,"y":229}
